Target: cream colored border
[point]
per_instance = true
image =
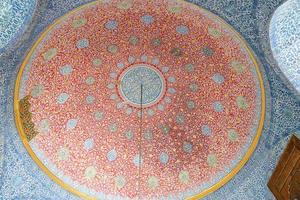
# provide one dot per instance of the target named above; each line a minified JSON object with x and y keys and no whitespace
{"x":86,"y":197}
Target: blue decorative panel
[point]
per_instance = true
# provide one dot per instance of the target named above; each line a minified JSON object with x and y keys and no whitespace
{"x":14,"y":15}
{"x":285,"y":40}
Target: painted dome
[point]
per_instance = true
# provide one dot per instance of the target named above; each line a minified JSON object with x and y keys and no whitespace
{"x":140,"y":100}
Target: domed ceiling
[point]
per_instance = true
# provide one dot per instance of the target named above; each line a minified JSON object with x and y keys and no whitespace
{"x":140,"y":100}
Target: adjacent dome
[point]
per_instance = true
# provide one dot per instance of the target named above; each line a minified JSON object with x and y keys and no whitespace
{"x":140,"y":100}
{"x":285,"y":41}
{"x":14,"y":16}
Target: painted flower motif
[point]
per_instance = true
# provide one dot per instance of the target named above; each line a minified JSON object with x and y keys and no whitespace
{"x":215,"y":33}
{"x":165,"y":129}
{"x":207,"y":51}
{"x":153,"y":182}
{"x":187,"y":147}
{"x":90,"y":80}
{"x":218,"y":106}
{"x":194,"y":87}
{"x":171,"y":79}
{"x":150,"y":112}
{"x":48,"y":55}
{"x":206,"y":130}
{"x":164,"y":158}
{"x":89,"y":144}
{"x":232,"y":135}
{"x":125,"y":5}
{"x":113,"y":48}
{"x":156,"y":42}
{"x":175,"y":9}
{"x":66,"y":70}
{"x":97,"y":62}
{"x":133,"y":40}
{"x":83,"y":43}
{"x":37,"y":90}
{"x":189,"y":67}
{"x":90,"y":172}
{"x":182,"y":30}
{"x":63,"y":153}
{"x":62,"y":98}
{"x":113,"y":127}
{"x":120,"y":182}
{"x":165,"y":69}
{"x":212,"y":160}
{"x":128,"y":135}
{"x":90,"y":99}
{"x":111,"y":25}
{"x":77,"y":23}
{"x":176,"y":51}
{"x":237,"y":66}
{"x":191,"y":104}
{"x":148,"y":135}
{"x":147,"y":19}
{"x":71,"y":123}
{"x":99,"y":115}
{"x":131,"y":59}
{"x":242,"y":103}
{"x":44,"y":126}
{"x":218,"y":78}
{"x":112,"y":155}
{"x":180,"y":119}
{"x":184,"y":177}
